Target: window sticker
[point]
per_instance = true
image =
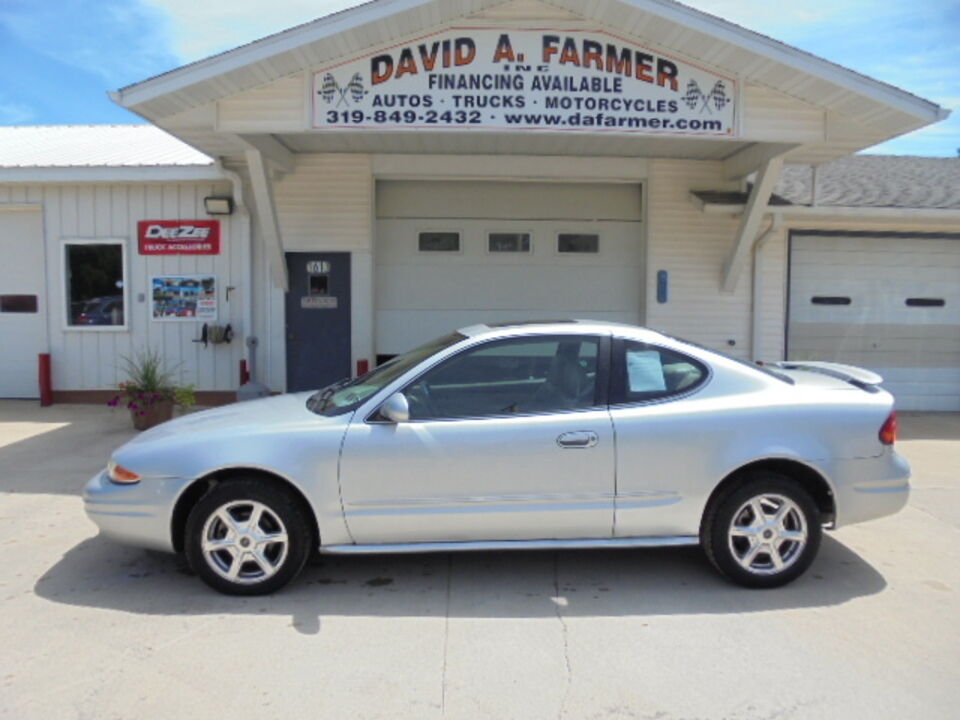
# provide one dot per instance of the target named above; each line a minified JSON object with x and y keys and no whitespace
{"x":645,"y":371}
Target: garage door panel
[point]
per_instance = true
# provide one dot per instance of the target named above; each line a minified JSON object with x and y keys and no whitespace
{"x":510,"y":288}
{"x":400,"y":330}
{"x":915,"y":348}
{"x":22,"y":327}
{"x":421,"y":295}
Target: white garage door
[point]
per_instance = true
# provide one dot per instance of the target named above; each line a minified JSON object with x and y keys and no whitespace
{"x":888,"y":303}
{"x":459,"y":253}
{"x":21,"y":302}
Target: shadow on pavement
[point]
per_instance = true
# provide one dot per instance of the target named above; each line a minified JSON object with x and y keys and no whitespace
{"x":615,"y":583}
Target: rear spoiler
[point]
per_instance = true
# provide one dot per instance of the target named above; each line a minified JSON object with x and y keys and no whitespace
{"x":857,"y":376}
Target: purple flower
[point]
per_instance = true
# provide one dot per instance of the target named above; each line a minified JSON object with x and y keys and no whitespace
{"x":114,"y":402}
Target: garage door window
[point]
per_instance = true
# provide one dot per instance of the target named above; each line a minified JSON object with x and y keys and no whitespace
{"x":578,"y":243}
{"x":644,"y":373}
{"x":508,"y":242}
{"x":95,"y":282}
{"x":439,"y":242}
{"x":512,"y":377}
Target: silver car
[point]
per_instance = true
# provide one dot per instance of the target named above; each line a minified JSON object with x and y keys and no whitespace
{"x":539,"y":435}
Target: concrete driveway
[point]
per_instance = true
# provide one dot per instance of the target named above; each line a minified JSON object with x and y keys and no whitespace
{"x":90,"y":629}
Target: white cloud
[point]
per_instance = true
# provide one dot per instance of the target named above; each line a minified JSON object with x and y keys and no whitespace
{"x":119,"y":40}
{"x":206,"y":27}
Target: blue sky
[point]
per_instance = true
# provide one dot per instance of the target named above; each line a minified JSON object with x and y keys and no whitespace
{"x":60,"y":57}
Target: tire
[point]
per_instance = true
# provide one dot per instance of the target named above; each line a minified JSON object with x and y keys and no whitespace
{"x":236,"y":557}
{"x":745,"y":538}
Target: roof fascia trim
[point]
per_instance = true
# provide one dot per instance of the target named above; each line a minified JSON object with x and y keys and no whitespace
{"x":142,"y":173}
{"x":261,"y":49}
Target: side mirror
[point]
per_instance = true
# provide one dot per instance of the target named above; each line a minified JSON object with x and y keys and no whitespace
{"x":396,"y":409}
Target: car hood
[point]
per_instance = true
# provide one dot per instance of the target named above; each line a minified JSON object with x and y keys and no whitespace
{"x":241,"y":418}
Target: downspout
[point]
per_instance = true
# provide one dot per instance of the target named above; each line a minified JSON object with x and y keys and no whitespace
{"x":756,"y":315}
{"x":246,"y":259}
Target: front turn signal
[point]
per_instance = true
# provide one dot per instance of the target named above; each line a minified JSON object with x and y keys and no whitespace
{"x":120,"y":474}
{"x":888,"y":433}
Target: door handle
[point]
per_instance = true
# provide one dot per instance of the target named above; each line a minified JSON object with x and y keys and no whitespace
{"x":578,"y":439}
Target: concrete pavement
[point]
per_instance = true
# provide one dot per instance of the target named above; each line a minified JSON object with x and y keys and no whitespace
{"x":91,"y":629}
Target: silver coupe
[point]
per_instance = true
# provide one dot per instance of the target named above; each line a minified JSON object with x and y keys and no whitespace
{"x":529,"y":435}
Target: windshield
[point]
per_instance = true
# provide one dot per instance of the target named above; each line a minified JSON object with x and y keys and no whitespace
{"x":346,"y":395}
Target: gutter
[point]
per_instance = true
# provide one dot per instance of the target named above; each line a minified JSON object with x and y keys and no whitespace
{"x":838,"y":211}
{"x":243,"y":214}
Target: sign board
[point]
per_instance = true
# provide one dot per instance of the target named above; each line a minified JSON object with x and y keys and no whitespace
{"x":533,"y":80}
{"x":179,"y":237}
{"x":319,"y":302}
{"x":183,"y":297}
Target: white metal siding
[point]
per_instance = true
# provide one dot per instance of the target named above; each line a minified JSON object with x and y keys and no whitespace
{"x":915,"y":349}
{"x":22,"y":335}
{"x":325,"y":205}
{"x":89,"y":360}
{"x":692,"y":247}
{"x":423,"y":295}
{"x":273,"y":107}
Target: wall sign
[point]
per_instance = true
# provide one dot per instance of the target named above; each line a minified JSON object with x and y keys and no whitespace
{"x":179,"y":237}
{"x":543,"y":80}
{"x":184,"y":297}
{"x":319,"y":302}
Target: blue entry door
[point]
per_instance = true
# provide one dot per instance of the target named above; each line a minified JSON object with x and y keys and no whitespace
{"x":317,"y":319}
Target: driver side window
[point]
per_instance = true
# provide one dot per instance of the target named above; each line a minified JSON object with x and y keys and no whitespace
{"x":510,"y":377}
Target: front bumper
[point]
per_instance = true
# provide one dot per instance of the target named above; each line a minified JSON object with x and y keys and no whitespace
{"x":138,"y":514}
{"x":870,"y":488}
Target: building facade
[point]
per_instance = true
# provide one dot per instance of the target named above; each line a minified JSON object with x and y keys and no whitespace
{"x":404,"y":168}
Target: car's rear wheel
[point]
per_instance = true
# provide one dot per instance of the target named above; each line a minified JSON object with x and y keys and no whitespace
{"x":763,"y":533}
{"x":247,"y":537}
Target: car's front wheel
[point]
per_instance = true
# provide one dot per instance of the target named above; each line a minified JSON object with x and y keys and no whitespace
{"x":247,"y":537}
{"x":765,"y":533}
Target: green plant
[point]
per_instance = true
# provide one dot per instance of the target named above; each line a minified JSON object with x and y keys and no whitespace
{"x":149,"y":381}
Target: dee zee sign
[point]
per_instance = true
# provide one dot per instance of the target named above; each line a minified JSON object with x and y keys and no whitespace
{"x":179,"y":237}
{"x":543,"y":80}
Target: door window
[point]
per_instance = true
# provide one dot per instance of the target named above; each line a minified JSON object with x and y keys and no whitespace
{"x":510,"y":377}
{"x":645,"y":372}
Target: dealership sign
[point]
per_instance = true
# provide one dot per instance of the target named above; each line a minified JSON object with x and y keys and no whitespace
{"x":543,"y":80}
{"x":179,"y":237}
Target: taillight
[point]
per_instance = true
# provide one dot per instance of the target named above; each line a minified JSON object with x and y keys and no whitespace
{"x":888,"y":433}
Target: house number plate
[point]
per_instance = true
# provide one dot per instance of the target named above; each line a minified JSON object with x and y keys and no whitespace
{"x":319,"y":302}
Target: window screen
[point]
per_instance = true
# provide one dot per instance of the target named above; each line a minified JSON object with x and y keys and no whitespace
{"x":94,"y":284}
{"x":439,"y":242}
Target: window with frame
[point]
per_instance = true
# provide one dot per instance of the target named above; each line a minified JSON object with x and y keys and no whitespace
{"x":508,"y":242}
{"x":519,"y":376}
{"x":646,"y":372}
{"x":578,"y":243}
{"x":433,"y":241}
{"x":94,"y":278}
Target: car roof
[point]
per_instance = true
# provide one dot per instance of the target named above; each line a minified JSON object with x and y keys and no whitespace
{"x":562,"y":327}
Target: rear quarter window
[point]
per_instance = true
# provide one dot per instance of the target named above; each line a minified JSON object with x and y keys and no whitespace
{"x":646,"y":373}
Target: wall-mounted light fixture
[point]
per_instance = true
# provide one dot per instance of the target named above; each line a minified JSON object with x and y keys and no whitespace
{"x":218,"y":205}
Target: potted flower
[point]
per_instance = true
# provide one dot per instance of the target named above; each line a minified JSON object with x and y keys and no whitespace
{"x":149,"y":391}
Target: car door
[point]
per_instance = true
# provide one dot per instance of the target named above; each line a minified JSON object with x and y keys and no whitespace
{"x":507,"y":440}
{"x":666,"y":433}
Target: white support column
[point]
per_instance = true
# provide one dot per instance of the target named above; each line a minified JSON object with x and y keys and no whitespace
{"x":750,"y":223}
{"x":267,"y":217}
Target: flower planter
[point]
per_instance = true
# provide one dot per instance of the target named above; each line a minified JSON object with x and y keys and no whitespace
{"x":154,"y":414}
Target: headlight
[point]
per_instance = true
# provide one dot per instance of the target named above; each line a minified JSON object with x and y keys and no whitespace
{"x":120,"y":475}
